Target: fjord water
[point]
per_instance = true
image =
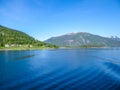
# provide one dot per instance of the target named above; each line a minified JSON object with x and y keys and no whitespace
{"x":72,"y":69}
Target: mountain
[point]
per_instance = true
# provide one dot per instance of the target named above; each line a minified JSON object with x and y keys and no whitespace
{"x":10,"y":37}
{"x":115,"y":38}
{"x":83,"y":39}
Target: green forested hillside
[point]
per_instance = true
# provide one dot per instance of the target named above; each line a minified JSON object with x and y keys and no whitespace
{"x":15,"y":38}
{"x":83,"y":39}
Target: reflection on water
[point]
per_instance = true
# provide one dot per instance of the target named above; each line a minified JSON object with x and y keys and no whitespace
{"x":24,"y":57}
{"x":72,"y":69}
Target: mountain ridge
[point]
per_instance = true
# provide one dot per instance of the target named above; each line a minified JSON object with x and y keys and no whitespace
{"x":79,"y":39}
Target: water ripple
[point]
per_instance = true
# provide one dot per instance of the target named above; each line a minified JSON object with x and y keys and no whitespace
{"x":77,"y":70}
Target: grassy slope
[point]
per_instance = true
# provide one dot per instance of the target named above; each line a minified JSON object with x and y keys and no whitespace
{"x":15,"y":37}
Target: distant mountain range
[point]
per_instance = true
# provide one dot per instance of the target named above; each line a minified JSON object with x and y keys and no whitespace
{"x":115,"y":38}
{"x":84,"y":39}
{"x":10,"y":37}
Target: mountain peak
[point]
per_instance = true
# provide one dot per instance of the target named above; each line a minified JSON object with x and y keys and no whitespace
{"x":74,"y":33}
{"x":71,"y":33}
{"x":77,"y":39}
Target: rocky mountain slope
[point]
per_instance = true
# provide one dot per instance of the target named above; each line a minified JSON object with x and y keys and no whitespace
{"x":83,"y":39}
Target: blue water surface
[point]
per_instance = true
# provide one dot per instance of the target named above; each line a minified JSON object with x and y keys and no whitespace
{"x":60,"y":69}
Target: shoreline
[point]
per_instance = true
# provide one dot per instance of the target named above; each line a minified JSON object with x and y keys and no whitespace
{"x":19,"y":49}
{"x":47,"y":48}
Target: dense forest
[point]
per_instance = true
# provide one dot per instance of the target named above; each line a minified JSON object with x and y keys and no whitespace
{"x":14,"y":38}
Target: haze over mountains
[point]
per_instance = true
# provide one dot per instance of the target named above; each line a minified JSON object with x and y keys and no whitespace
{"x":84,"y":39}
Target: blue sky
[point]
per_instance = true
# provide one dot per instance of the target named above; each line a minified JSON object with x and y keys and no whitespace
{"x":43,"y":19}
